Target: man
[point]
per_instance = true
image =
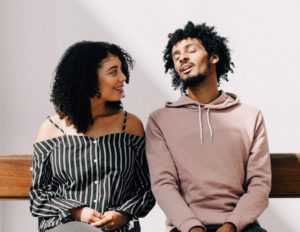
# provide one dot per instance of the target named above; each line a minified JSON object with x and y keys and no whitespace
{"x":208,"y":153}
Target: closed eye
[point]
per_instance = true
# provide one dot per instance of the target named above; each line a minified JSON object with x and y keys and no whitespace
{"x":176,"y":57}
{"x":192,"y":49}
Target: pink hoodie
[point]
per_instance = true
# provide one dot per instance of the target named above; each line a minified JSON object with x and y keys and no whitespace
{"x":209,"y":163}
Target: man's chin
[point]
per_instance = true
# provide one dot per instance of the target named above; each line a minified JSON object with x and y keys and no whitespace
{"x":193,"y":80}
{"x":186,"y":76}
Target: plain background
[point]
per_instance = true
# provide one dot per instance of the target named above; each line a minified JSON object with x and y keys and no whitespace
{"x":264,"y":37}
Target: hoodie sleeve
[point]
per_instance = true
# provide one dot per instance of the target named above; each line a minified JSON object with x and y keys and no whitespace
{"x":257,"y":182}
{"x":164,"y":179}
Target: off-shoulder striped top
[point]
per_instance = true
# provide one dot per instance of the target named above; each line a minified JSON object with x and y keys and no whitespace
{"x":104,"y":173}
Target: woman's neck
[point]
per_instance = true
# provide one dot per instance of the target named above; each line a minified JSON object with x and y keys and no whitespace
{"x":102,"y":109}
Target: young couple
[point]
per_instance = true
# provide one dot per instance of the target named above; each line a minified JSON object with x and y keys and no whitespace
{"x":207,"y":152}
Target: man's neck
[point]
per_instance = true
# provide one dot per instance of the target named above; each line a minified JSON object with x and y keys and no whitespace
{"x":203,"y":94}
{"x":206,"y":91}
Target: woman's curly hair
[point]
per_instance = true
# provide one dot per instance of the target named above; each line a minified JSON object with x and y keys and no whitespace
{"x":76,"y":80}
{"x":212,"y":42}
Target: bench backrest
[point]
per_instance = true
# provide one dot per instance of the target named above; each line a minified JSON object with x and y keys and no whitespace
{"x":15,"y":175}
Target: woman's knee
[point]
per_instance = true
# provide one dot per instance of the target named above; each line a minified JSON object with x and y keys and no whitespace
{"x":74,"y":226}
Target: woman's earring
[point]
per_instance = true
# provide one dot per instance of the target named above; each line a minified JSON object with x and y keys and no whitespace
{"x":98,"y":94}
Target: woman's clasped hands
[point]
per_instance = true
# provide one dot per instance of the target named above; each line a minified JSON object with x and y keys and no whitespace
{"x":108,"y":221}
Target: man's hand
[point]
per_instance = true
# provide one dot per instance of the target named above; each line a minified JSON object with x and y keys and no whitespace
{"x":86,"y":214}
{"x":112,"y":220}
{"x":227,"y":227}
{"x":197,"y":229}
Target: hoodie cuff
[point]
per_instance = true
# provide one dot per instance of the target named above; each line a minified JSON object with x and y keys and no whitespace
{"x":187,"y":225}
{"x":237,"y":221}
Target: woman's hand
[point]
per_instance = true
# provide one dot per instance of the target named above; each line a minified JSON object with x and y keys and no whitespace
{"x":111,"y":220}
{"x":86,"y":214}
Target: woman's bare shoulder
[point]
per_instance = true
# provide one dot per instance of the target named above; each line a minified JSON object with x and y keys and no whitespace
{"x":48,"y":130}
{"x":134,"y":125}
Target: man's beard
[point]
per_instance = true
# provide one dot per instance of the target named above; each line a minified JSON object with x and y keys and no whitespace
{"x":193,"y":81}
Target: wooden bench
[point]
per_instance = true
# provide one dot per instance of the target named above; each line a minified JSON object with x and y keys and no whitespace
{"x":15,"y":175}
{"x":285,"y":175}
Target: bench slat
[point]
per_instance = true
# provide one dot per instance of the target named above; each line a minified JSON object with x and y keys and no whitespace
{"x":285,"y":175}
{"x":15,"y":175}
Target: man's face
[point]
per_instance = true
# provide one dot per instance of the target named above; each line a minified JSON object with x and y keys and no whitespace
{"x":190,"y":58}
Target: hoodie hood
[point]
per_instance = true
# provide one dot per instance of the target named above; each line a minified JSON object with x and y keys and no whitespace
{"x":224,"y":101}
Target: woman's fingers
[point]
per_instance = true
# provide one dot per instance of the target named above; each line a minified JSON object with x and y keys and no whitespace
{"x":94,"y":219}
{"x":102,"y":222}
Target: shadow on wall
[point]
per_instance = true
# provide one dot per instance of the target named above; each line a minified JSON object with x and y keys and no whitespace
{"x":63,"y":27}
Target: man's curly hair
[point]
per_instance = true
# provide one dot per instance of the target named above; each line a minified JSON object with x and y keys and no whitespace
{"x":76,"y":80}
{"x":212,"y":42}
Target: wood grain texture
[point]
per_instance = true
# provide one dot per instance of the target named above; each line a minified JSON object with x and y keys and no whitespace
{"x":15,"y":175}
{"x":285,"y":175}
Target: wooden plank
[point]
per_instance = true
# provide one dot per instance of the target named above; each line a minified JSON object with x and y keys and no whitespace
{"x":285,"y":175}
{"x":15,"y":176}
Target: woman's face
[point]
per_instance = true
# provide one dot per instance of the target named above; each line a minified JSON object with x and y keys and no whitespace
{"x":111,"y":79}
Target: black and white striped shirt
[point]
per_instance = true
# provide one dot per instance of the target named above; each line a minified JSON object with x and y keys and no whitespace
{"x":109,"y":172}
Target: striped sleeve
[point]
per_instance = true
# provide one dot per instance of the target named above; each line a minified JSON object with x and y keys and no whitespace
{"x":143,"y":200}
{"x":45,"y":201}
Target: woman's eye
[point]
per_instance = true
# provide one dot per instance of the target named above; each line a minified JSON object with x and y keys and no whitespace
{"x":114,"y":72}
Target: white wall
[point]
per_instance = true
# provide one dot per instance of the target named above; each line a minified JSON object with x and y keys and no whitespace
{"x":263,"y":36}
{"x":1,"y":65}
{"x":1,"y":130}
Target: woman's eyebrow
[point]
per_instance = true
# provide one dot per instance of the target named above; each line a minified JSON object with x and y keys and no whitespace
{"x":112,"y":67}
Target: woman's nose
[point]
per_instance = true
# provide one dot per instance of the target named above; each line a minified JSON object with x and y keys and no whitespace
{"x":122,"y":77}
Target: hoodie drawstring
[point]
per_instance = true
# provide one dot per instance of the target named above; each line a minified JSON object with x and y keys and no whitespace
{"x":209,"y":125}
{"x":200,"y":125}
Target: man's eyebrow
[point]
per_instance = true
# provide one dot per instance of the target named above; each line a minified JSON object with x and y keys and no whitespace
{"x":191,"y":44}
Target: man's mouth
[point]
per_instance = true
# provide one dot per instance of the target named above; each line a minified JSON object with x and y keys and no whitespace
{"x":186,"y":68}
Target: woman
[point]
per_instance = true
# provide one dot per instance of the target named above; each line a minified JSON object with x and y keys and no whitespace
{"x":89,"y":167}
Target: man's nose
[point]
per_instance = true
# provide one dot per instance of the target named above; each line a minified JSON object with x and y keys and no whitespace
{"x":183,"y":57}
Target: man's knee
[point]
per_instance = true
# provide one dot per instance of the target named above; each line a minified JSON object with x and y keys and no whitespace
{"x":254,"y":228}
